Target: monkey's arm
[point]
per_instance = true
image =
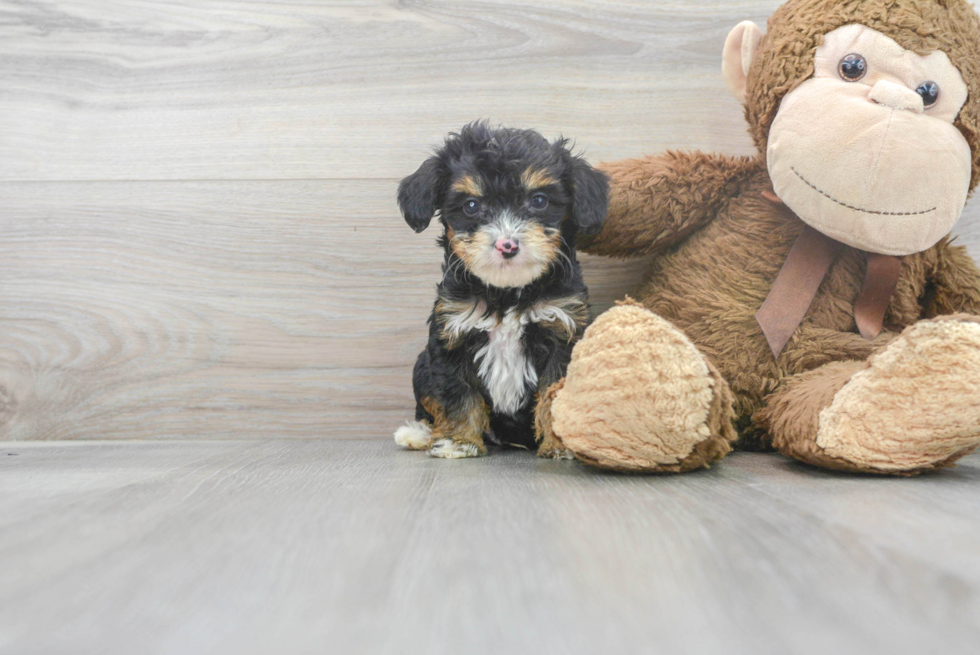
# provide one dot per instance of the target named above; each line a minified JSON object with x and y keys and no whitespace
{"x":655,"y":202}
{"x":955,"y":283}
{"x":813,"y":346}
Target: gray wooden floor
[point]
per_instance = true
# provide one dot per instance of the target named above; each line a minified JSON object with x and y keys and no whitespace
{"x":357,"y":547}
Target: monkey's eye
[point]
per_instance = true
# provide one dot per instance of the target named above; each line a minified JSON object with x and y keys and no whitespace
{"x":852,"y":67}
{"x":471,"y":207}
{"x":929,"y":92}
{"x":539,"y":201}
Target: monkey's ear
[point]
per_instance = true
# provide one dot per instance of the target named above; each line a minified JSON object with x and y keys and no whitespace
{"x":590,"y":196}
{"x":420,"y":194}
{"x":740,"y":48}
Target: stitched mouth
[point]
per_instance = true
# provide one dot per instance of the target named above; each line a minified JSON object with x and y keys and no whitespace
{"x":857,"y":209}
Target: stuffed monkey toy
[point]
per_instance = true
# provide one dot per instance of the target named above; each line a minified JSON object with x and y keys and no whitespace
{"x":807,"y":299}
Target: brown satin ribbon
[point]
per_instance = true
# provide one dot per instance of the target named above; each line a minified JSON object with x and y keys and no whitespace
{"x":880,"y":281}
{"x":799,"y":279}
{"x":795,"y":287}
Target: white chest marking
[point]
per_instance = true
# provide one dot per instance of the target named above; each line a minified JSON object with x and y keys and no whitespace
{"x":503,"y":367}
{"x":502,"y":364}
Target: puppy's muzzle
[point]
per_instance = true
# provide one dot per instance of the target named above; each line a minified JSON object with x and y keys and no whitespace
{"x":507,"y":247}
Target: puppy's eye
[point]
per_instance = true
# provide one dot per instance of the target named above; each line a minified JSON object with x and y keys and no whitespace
{"x":853,"y":67}
{"x":539,"y":201}
{"x":929,"y":92}
{"x":471,"y":207}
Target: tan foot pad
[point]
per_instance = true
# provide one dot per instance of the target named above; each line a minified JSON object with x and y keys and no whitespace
{"x":916,"y":406}
{"x":639,"y":396}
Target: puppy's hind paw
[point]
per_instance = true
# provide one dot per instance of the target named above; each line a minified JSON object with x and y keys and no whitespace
{"x":449,"y":449}
{"x":556,"y":453}
{"x":414,"y":435}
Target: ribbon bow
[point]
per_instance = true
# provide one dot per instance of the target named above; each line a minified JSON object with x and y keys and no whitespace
{"x":800,"y":277}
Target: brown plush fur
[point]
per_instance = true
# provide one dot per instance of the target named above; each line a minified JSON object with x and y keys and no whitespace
{"x":712,"y":284}
{"x":643,"y":397}
{"x":921,"y":395}
{"x":792,"y":414}
{"x":785,"y":56}
{"x":721,"y":243}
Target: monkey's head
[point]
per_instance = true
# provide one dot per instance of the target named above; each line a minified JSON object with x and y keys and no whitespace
{"x":868,"y":113}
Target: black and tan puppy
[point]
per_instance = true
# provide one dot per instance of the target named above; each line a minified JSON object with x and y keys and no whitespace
{"x":512,"y":302}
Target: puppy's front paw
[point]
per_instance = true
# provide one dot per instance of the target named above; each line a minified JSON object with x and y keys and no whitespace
{"x":449,"y":449}
{"x":414,"y":435}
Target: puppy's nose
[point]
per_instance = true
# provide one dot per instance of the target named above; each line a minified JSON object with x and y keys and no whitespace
{"x":507,"y":247}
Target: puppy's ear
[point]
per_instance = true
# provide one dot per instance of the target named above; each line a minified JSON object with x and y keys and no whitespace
{"x":590,"y":196}
{"x":420,"y":194}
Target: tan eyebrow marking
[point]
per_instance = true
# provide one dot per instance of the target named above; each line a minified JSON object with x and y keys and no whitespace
{"x":468,"y":185}
{"x":535,"y":178}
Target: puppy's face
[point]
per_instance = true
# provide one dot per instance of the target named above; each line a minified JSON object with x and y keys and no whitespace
{"x":503,"y":218}
{"x":504,"y":197}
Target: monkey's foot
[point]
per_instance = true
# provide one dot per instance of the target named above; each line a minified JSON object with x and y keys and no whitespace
{"x":912,"y":407}
{"x":640,"y":397}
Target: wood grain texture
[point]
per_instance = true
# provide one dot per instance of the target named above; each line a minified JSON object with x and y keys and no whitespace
{"x":357,"y":547}
{"x":198,"y":233}
{"x":217,"y":309}
{"x":361,"y":88}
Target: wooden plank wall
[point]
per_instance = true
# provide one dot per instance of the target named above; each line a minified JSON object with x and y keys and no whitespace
{"x":198,"y":233}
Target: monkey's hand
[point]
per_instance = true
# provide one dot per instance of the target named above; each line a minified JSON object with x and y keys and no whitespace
{"x":956,"y":283}
{"x":655,"y":202}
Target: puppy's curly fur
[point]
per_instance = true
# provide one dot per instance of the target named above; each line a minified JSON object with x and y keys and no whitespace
{"x":511,"y":303}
